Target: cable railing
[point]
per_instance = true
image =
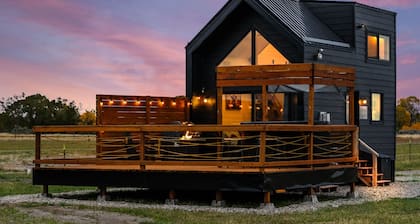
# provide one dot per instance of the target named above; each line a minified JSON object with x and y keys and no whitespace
{"x":235,"y":146}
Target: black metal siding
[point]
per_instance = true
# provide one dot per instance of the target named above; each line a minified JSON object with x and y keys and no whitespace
{"x":339,"y":17}
{"x":371,"y":76}
{"x":379,"y":77}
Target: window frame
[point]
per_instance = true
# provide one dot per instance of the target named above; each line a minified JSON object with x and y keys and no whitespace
{"x":378,"y":58}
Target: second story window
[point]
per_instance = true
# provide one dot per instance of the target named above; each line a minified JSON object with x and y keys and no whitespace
{"x":378,"y":47}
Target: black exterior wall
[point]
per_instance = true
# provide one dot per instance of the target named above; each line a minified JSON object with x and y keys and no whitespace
{"x":350,"y":21}
{"x":371,"y":75}
{"x":177,"y":180}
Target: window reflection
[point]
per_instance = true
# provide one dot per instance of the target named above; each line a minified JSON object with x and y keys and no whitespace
{"x":266,"y":53}
{"x":241,"y":54}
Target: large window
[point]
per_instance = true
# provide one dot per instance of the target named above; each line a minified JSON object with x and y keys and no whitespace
{"x":376,"y":99}
{"x":264,"y":53}
{"x":241,"y":54}
{"x":378,"y":47}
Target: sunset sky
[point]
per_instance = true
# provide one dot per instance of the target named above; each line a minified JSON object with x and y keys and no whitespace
{"x":76,"y":49}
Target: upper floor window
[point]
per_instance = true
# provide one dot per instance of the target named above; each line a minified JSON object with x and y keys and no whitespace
{"x":378,"y":47}
{"x":254,"y":49}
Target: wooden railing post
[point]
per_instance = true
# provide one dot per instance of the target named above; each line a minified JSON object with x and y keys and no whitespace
{"x":355,"y":144}
{"x":263,"y":136}
{"x":374,"y":170}
{"x":141,"y":150}
{"x":311,"y":148}
{"x":37,"y":148}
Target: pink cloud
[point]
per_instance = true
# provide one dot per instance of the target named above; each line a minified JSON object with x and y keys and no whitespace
{"x":407,"y":59}
{"x":32,"y":78}
{"x":139,"y":61}
{"x":408,"y":87}
{"x":402,"y":42}
{"x":394,"y":3}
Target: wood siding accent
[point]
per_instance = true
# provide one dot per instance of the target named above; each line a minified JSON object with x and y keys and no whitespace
{"x":136,"y":110}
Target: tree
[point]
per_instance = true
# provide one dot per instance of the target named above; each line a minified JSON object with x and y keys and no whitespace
{"x":411,"y":104}
{"x":21,"y":111}
{"x":402,"y":117}
{"x":88,"y":118}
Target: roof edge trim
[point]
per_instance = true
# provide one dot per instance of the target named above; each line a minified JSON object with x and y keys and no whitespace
{"x":329,"y":42}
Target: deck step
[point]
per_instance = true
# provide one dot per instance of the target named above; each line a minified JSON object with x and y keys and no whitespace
{"x":371,"y":175}
{"x":328,"y":188}
{"x":383,"y":182}
{"x":365,"y":168}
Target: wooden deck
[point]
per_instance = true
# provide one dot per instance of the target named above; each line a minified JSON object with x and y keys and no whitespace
{"x":257,"y":157}
{"x":263,"y":159}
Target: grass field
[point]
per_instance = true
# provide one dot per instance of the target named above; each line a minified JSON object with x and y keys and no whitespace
{"x":390,"y":211}
{"x":17,"y":153}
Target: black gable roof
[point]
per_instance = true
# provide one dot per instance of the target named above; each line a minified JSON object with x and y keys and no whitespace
{"x":292,"y":14}
{"x":301,"y":21}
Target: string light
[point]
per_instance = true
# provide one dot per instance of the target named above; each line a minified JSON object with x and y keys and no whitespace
{"x":111,"y":102}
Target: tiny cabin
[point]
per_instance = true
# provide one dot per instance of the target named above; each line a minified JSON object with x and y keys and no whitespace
{"x":280,"y":95}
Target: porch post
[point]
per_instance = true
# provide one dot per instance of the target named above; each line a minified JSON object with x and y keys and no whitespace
{"x":311,"y":105}
{"x":264,"y":103}
{"x":219,"y":104}
{"x":311,"y":97}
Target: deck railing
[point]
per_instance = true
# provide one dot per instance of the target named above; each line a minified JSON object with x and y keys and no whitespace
{"x":250,"y":146}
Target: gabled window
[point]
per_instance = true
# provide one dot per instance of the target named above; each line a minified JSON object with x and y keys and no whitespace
{"x":254,"y":49}
{"x":378,"y":47}
{"x":376,"y":107}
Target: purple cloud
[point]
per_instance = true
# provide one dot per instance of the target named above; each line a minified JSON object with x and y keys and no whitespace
{"x":392,"y":3}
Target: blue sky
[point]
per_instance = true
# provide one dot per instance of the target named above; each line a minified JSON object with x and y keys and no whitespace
{"x":76,"y":49}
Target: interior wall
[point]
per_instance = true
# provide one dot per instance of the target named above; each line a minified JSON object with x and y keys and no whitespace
{"x":234,"y":115}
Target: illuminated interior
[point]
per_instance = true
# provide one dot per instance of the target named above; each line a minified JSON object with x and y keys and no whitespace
{"x":384,"y":47}
{"x":378,"y":49}
{"x":244,"y":107}
{"x":237,"y":108}
{"x":241,"y":54}
{"x":266,"y":53}
{"x":376,"y":106}
{"x":372,"y":46}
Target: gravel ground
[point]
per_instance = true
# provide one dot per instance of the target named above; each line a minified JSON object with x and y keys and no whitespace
{"x":407,"y":189}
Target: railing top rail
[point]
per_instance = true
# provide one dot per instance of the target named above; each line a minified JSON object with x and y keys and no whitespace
{"x":370,"y":149}
{"x":199,"y":128}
